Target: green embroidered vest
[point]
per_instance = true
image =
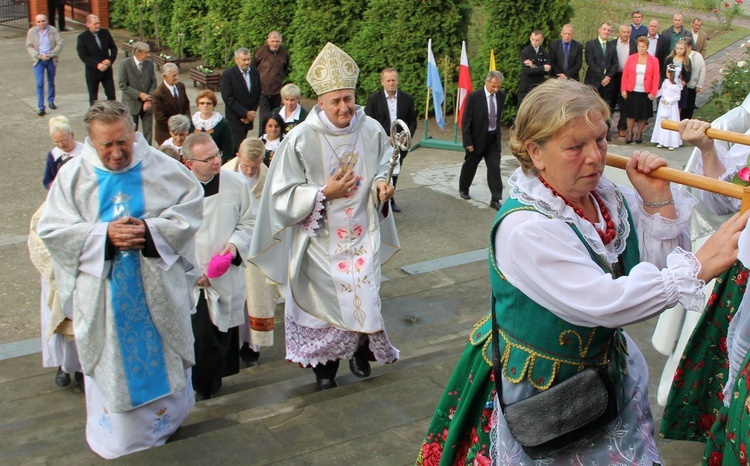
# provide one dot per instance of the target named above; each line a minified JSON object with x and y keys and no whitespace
{"x":535,"y":344}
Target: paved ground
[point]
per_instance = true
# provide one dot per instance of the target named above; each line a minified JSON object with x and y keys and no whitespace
{"x":436,"y":289}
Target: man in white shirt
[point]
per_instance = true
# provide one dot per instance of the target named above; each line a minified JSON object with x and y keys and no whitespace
{"x":625,"y":48}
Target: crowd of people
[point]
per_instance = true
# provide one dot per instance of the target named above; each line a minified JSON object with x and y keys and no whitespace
{"x":161,"y":269}
{"x":626,"y":71}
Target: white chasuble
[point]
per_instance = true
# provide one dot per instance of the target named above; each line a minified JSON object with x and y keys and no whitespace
{"x":350,"y":245}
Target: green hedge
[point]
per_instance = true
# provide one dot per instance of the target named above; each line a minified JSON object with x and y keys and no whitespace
{"x":508,"y":26}
{"x":395,"y":34}
{"x":377,"y":33}
{"x":315,"y":23}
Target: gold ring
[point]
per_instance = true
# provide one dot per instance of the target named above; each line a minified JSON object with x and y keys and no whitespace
{"x":348,"y":190}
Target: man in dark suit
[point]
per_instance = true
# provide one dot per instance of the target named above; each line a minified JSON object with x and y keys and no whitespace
{"x":601,"y":58}
{"x":240,"y":89}
{"x":97,"y":50}
{"x":566,"y":55}
{"x":625,"y":47}
{"x":481,"y":137}
{"x":535,"y":65}
{"x":658,"y":45}
{"x":388,"y":105}
{"x":170,"y":98}
{"x":137,"y":82}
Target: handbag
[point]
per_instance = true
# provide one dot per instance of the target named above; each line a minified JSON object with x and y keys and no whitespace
{"x":554,"y":419}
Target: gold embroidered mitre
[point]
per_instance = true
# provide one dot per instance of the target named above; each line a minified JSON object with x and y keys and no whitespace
{"x":333,"y":69}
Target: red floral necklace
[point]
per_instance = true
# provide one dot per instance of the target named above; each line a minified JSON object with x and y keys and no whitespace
{"x":606,"y":236}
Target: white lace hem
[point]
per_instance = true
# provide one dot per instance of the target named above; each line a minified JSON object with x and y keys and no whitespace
{"x":312,"y":222}
{"x":527,"y":189}
{"x":312,"y":346}
{"x":681,"y":282}
{"x":664,"y":228}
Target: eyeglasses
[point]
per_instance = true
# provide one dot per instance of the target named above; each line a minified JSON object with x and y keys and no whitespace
{"x":210,"y":158}
{"x":208,"y":102}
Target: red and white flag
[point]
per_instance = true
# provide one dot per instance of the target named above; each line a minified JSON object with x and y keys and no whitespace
{"x":464,"y":82}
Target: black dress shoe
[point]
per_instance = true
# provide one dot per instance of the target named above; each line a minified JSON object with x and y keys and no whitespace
{"x":248,"y":356}
{"x":79,"y":380}
{"x":201,"y":396}
{"x":62,"y":379}
{"x":359,"y":365}
{"x":496,"y":205}
{"x":41,"y":112}
{"x":52,"y":106}
{"x":327,"y":384}
{"x":395,"y":206}
{"x":464,"y":195}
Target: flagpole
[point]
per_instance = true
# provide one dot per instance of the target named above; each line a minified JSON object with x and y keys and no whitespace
{"x":455,"y":119}
{"x":426,"y":114}
{"x":445,"y":84}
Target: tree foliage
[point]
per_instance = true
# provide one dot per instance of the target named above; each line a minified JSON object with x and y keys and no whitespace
{"x":395,"y":35}
{"x":315,"y":23}
{"x":508,"y":26}
{"x":259,"y":17}
{"x":147,"y":19}
{"x":186,"y":35}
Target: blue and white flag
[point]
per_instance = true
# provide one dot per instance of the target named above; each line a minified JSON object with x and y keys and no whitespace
{"x":433,"y":82}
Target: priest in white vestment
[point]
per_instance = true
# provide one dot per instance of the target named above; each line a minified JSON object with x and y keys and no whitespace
{"x":120,"y":223}
{"x":320,"y":232}
{"x":227,"y":227}
{"x":262,"y":296}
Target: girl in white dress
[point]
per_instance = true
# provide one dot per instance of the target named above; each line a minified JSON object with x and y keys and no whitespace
{"x":668,"y":110}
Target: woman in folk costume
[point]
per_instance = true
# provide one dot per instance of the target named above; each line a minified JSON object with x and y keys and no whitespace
{"x":623,"y":248}
{"x":729,"y":437}
{"x":207,"y":120}
{"x":697,"y":379}
{"x":324,"y":227}
{"x":261,"y":296}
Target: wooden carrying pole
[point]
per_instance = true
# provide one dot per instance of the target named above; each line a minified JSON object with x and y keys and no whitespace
{"x":691,"y":179}
{"x":721,"y":135}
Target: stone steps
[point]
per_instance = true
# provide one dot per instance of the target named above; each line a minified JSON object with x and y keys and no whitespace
{"x":273,"y":413}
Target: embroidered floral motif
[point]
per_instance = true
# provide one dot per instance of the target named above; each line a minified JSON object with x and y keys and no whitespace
{"x":355,"y":253}
{"x":163,"y":422}
{"x":104,"y":421}
{"x":696,"y":397}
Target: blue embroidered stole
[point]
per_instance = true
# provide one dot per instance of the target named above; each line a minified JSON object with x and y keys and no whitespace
{"x":141,"y":346}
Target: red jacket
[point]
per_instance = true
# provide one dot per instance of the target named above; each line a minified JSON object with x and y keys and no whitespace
{"x":650,"y":80}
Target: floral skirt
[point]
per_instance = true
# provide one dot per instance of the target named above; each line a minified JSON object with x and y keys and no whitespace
{"x":696,"y":397}
{"x":728,"y":439}
{"x":460,"y":430}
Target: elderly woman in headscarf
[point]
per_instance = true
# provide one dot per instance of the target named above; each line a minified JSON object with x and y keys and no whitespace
{"x":573,"y":258}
